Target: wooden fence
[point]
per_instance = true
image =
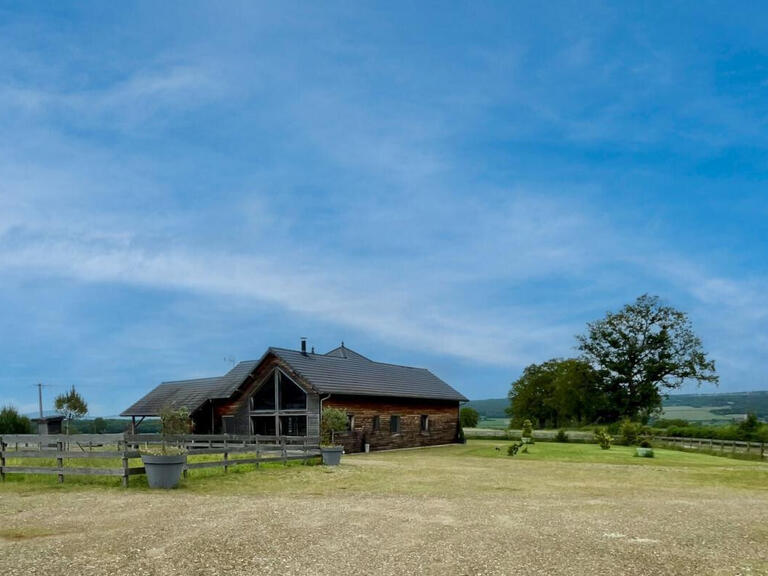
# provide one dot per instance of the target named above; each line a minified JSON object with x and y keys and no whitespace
{"x":95,"y":449}
{"x":711,"y":445}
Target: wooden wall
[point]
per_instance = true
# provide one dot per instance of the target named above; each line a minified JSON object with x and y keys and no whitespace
{"x":443,"y":422}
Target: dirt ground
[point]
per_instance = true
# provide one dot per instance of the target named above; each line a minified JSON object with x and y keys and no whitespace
{"x":435,"y":511}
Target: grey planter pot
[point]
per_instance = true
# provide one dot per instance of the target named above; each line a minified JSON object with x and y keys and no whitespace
{"x":644,"y":452}
{"x":331,"y":455}
{"x":164,"y":471}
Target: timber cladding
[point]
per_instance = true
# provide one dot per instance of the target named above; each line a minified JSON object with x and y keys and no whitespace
{"x":442,"y":423}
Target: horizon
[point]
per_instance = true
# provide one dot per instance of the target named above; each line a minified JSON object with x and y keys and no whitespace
{"x":460,"y":189}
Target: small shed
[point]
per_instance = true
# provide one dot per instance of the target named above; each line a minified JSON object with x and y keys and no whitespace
{"x":49,"y":424}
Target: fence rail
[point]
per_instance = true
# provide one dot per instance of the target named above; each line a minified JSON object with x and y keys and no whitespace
{"x":86,"y":448}
{"x":713,"y":445}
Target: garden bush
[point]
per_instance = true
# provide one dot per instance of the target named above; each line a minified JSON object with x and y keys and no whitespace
{"x":561,"y":436}
{"x":603,"y":438}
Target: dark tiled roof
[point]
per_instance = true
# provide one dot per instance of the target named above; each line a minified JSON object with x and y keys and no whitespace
{"x":341,"y":371}
{"x":189,"y":394}
{"x":355,"y":374}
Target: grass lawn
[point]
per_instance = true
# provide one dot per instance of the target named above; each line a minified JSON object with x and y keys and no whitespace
{"x":560,"y":509}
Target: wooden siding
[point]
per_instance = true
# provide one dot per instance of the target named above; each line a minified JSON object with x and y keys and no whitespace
{"x":443,"y":422}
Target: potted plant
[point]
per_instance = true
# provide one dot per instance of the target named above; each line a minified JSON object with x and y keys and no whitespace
{"x":333,"y":420}
{"x":645,"y":450}
{"x":526,"y":437}
{"x":164,"y":464}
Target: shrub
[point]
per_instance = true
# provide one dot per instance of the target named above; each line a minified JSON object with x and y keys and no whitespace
{"x":629,"y":432}
{"x":561,"y":436}
{"x":646,"y":444}
{"x":469,"y":417}
{"x":175,"y":422}
{"x":512,"y":449}
{"x":603,"y":438}
{"x":527,"y":429}
{"x":333,"y":420}
{"x":11,"y":422}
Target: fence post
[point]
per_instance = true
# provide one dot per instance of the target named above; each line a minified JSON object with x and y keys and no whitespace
{"x":762,"y":450}
{"x":284,"y":451}
{"x":2,"y":459}
{"x":125,"y":462}
{"x":748,"y":446}
{"x":60,"y":460}
{"x":258,"y":451}
{"x":306,"y":453}
{"x":226,"y":457}
{"x":733,"y":447}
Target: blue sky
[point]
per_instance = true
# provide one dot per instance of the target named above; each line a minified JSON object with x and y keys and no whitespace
{"x":453,"y":186}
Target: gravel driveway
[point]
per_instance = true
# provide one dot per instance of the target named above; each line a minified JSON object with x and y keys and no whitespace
{"x":413,"y":512}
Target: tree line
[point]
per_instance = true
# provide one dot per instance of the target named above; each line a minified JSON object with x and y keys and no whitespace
{"x":627,"y":361}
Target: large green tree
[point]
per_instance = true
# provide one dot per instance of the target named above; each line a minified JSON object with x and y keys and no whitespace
{"x":558,"y":392}
{"x":642,"y":350}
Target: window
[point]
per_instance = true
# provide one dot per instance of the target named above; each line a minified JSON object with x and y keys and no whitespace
{"x":263,"y":425}
{"x":293,"y":425}
{"x":376,"y":423}
{"x":279,"y":407}
{"x":264,"y":397}
{"x":291,"y":396}
{"x":394,"y":424}
{"x":350,"y":422}
{"x":424,"y":423}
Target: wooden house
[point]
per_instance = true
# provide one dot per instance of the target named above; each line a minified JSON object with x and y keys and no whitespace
{"x":285,"y":391}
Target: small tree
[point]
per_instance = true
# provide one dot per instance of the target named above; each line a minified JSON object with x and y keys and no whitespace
{"x":71,"y":405}
{"x":469,"y":417}
{"x":333,"y":420}
{"x":603,"y":438}
{"x":11,"y":422}
{"x":527,"y":431}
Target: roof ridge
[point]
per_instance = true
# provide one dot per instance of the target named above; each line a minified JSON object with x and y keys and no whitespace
{"x":191,"y":379}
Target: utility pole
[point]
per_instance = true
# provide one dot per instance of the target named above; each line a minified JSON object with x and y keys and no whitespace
{"x":40,"y":397}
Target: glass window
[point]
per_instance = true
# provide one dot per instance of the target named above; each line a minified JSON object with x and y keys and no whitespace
{"x":293,"y":425}
{"x":291,"y":396}
{"x":264,"y":397}
{"x":263,"y":425}
{"x":394,"y":424}
{"x":376,"y":423}
{"x":424,"y":423}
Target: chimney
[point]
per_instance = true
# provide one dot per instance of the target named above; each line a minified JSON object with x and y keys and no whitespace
{"x":304,"y":346}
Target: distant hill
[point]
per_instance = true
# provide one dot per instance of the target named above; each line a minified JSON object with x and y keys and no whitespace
{"x":704,"y":408}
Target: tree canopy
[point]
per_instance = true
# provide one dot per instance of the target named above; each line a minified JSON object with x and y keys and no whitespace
{"x":11,"y":422}
{"x":558,"y":392}
{"x":469,"y":417}
{"x":71,"y":405}
{"x":642,"y":350}
{"x":629,"y":358}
